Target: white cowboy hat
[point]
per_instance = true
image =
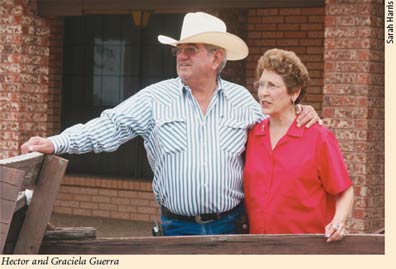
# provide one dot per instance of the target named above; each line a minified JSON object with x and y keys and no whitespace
{"x":201,"y":27}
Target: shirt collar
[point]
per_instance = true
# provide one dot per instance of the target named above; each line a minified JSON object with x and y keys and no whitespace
{"x":296,"y":131}
{"x":263,"y":129}
{"x":185,"y":88}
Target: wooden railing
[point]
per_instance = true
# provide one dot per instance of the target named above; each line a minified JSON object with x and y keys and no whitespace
{"x":221,"y":244}
{"x":24,"y":233}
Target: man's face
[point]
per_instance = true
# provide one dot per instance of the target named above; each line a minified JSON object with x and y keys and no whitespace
{"x":193,"y":61}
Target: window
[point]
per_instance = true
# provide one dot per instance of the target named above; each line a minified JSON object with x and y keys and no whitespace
{"x":106,"y":60}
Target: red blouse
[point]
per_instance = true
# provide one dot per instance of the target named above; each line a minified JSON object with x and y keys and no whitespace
{"x":292,"y":188}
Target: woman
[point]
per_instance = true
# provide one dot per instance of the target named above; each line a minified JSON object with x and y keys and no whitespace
{"x":295,"y":179}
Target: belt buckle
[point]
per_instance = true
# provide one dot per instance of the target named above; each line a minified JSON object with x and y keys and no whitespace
{"x":198,"y":219}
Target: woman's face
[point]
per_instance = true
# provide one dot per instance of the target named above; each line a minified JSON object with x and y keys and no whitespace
{"x":272,"y":93}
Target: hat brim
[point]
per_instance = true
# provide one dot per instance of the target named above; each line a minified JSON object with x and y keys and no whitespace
{"x":235,"y":47}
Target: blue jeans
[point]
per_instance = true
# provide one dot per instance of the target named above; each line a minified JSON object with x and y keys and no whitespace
{"x":230,"y":224}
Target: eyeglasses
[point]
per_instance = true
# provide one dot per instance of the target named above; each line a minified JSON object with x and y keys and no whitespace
{"x":261,"y":84}
{"x":189,"y":51}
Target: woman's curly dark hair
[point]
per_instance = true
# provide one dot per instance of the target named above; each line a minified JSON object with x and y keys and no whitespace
{"x":288,"y":66}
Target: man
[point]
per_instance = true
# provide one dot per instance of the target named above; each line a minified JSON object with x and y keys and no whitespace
{"x":194,"y":129}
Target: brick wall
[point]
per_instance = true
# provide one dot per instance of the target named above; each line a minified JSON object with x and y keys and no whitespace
{"x":354,"y":100}
{"x":298,"y":29}
{"x":23,"y":74}
{"x":236,"y":21}
{"x":107,"y":197}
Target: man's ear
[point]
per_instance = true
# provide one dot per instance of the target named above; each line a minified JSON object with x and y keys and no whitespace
{"x":218,"y":57}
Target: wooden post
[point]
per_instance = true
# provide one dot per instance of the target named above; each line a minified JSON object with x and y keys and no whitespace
{"x":40,"y":208}
{"x":43,"y":174}
{"x":10,"y":184}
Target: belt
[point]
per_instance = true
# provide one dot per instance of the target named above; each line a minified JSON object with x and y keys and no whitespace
{"x":201,"y":218}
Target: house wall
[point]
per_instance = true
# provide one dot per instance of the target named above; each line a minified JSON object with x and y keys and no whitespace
{"x":298,"y":29}
{"x":107,"y":197}
{"x":353,"y":104}
{"x":341,"y":44}
{"x":24,"y":51}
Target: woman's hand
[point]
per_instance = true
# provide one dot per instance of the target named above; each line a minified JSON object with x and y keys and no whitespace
{"x":307,"y":116}
{"x":335,"y":231}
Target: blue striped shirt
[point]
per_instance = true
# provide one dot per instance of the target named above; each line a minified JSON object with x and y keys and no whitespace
{"x":196,"y":159}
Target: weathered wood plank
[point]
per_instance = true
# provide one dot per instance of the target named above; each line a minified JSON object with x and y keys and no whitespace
{"x":70,"y":233}
{"x":10,"y":183}
{"x":221,"y":244}
{"x":40,"y":208}
{"x":15,"y":228}
{"x":30,"y":163}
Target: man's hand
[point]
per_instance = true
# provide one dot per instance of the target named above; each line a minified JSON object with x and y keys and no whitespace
{"x":307,"y":116}
{"x":38,"y":144}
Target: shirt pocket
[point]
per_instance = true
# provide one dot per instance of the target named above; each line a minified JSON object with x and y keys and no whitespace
{"x":232,"y":136}
{"x":172,"y":135}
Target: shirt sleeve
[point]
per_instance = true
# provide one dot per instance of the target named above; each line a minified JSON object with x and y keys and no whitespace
{"x":332,"y":169}
{"x":114,"y":127}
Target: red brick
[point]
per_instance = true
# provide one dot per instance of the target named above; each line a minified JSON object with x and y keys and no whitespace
{"x":296,"y":19}
{"x":120,"y":215}
{"x":287,"y":42}
{"x":120,"y":201}
{"x":266,"y":27}
{"x":289,"y":34}
{"x":312,"y":11}
{"x":128,"y":194}
{"x":315,"y":50}
{"x":65,"y":196}
{"x":358,"y":213}
{"x":348,"y":9}
{"x":82,"y":212}
{"x":127,"y":208}
{"x":107,"y":206}
{"x":272,"y":19}
{"x":107,"y":192}
{"x":101,"y":199}
{"x":266,"y":12}
{"x":316,"y":19}
{"x":341,"y":32}
{"x":147,"y":210}
{"x":311,"y":26}
{"x":154,"y":218}
{"x":154,"y":204}
{"x":101,"y":213}
{"x":140,"y":217}
{"x":72,"y":204}
{"x":289,"y":27}
{"x":289,"y":11}
{"x":267,"y":34}
{"x":139,"y":202}
{"x":146,"y":195}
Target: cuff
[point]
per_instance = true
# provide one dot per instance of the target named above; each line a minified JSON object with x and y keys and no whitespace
{"x":60,"y":142}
